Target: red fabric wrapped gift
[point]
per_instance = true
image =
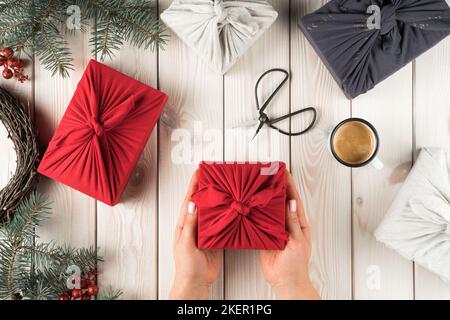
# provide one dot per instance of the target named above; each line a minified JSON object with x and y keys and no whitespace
{"x":103,"y":133}
{"x":241,"y":206}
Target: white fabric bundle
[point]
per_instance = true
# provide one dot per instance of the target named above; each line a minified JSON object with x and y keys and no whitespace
{"x":418,"y":222}
{"x":219,"y":31}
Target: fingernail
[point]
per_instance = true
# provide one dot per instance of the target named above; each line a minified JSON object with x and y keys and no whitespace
{"x":293,"y":206}
{"x":191,"y":207}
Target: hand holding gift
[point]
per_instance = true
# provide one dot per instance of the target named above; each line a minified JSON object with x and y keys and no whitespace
{"x":285,"y":270}
{"x":196,"y":269}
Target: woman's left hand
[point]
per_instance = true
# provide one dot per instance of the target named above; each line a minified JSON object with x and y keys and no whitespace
{"x":196,"y":270}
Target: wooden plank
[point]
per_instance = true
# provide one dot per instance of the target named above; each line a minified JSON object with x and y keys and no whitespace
{"x":243,"y":278}
{"x":195,"y":111}
{"x":73,"y":218}
{"x":127,"y":232}
{"x":380,"y":273}
{"x":432,"y":129}
{"x":324,"y":184}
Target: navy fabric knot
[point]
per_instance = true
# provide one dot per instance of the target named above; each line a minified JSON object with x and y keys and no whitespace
{"x":389,"y":32}
{"x":240,"y":208}
{"x":388,"y":19}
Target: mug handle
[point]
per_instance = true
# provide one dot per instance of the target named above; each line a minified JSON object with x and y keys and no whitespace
{"x":377,"y":163}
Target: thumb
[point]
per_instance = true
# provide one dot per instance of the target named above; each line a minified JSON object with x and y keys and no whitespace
{"x":293,"y":221}
{"x":189,"y":232}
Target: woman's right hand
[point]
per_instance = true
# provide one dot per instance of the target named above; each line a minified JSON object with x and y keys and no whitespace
{"x":287,"y":271}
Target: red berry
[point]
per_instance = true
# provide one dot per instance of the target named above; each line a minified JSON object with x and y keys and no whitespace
{"x":12,"y":63}
{"x":2,"y":60}
{"x":64,"y":296}
{"x":93,"y":290}
{"x":85,"y":283}
{"x":7,"y":52}
{"x":77,"y":293}
{"x":23,"y":78}
{"x":7,"y":73}
{"x":85,"y":296}
{"x":93,"y":274}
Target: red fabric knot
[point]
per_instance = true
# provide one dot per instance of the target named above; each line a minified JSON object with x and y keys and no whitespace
{"x":96,"y":127}
{"x":240,"y":208}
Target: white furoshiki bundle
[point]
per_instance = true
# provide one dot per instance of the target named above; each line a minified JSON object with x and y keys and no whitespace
{"x":418,"y":223}
{"x":219,"y":31}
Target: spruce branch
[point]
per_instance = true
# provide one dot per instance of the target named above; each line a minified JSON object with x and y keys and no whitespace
{"x":135,"y":21}
{"x":53,"y":52}
{"x":19,"y":231}
{"x":110,"y":295}
{"x":38,"y":27}
{"x":33,"y":28}
{"x":37,"y":271}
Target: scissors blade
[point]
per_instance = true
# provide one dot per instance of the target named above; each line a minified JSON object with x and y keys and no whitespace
{"x":261,"y":124}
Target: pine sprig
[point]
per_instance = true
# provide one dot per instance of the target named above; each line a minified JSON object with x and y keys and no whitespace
{"x":104,"y":40}
{"x":30,"y":213}
{"x":38,"y":27}
{"x":53,"y":52}
{"x":13,"y":265}
{"x":110,"y":295}
{"x":37,"y":271}
{"x":119,"y":21}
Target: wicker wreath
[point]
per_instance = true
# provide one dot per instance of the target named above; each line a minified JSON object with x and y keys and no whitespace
{"x":21,"y":131}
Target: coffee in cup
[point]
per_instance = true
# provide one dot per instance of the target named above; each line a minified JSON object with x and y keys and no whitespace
{"x":354,"y":142}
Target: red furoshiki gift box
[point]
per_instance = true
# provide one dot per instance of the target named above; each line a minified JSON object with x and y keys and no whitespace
{"x":103,"y":133}
{"x":241,"y":206}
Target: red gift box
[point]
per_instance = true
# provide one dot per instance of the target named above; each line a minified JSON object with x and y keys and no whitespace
{"x":103,"y":133}
{"x":241,"y":206}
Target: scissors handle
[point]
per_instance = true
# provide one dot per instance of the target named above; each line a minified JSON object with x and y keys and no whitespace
{"x":264,"y":119}
{"x":271,"y":122}
{"x":283,"y":82}
{"x":292,"y":114}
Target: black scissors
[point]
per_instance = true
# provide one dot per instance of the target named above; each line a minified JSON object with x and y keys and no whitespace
{"x":264,"y":119}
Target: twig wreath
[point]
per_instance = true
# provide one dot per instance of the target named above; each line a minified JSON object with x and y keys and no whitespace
{"x":21,"y":131}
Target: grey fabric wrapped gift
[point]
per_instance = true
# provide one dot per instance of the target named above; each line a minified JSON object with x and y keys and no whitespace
{"x":362,"y":42}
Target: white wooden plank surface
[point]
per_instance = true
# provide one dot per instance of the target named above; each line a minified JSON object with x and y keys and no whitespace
{"x":324,"y":184}
{"x":432,"y":129}
{"x":380,"y":273}
{"x":243,"y":277}
{"x":195,"y":101}
{"x":73,"y":213}
{"x":410,"y":110}
{"x":127,"y":232}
